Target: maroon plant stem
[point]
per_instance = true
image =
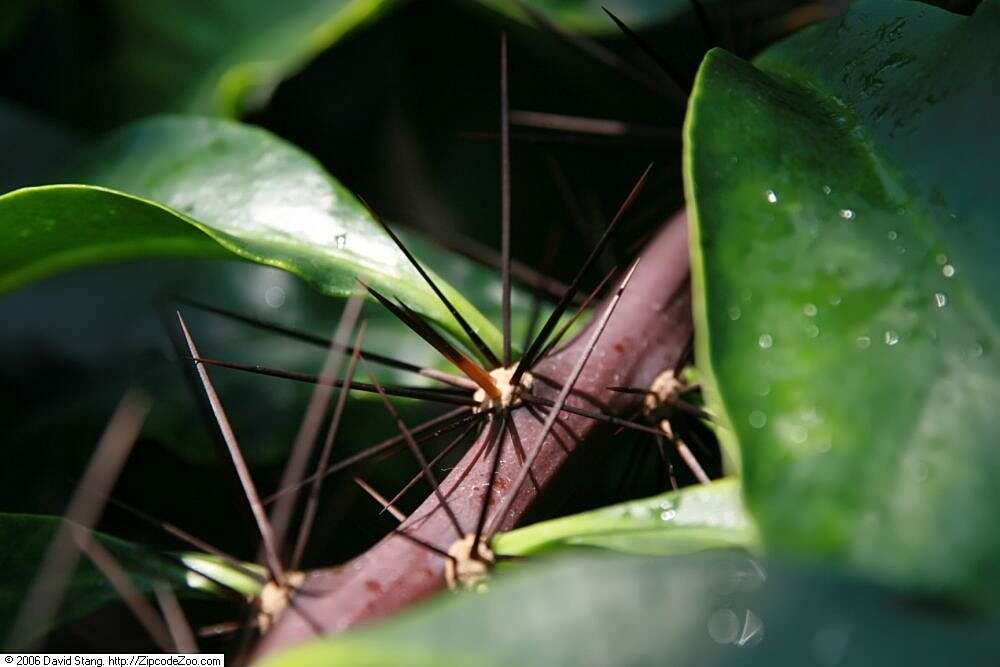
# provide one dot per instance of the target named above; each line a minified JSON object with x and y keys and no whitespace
{"x":647,"y":333}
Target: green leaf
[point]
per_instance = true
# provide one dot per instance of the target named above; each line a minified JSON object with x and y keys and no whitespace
{"x":708,"y":609}
{"x":844,"y":202}
{"x":691,"y":519}
{"x":26,"y":539}
{"x":220,"y":59}
{"x":217,"y":571}
{"x":234,"y":186}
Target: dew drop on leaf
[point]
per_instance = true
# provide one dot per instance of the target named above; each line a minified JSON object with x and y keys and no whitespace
{"x":274,"y":296}
{"x":724,"y":626}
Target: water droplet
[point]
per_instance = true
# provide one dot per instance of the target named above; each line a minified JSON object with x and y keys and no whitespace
{"x":765,"y":341}
{"x":735,"y":313}
{"x":947,"y":270}
{"x":640,"y":512}
{"x":341,"y":241}
{"x":893,"y":235}
{"x":835,"y":300}
{"x":977,"y":350}
{"x":941,"y":259}
{"x":763,"y":389}
{"x":940,"y":300}
{"x":797,"y":434}
{"x":758,"y":419}
{"x":724,"y":626}
{"x":274,"y":296}
{"x":891,"y":337}
{"x":809,"y":310}
{"x":864,"y":342}
{"x":667,"y":515}
{"x":772,"y":197}
{"x":846,"y":214}
{"x":827,"y":189}
{"x":812,"y":331}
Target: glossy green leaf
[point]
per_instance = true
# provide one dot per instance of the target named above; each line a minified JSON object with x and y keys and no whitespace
{"x":691,"y":519}
{"x":717,"y":609}
{"x":26,"y":538}
{"x":844,"y":203}
{"x":185,"y":186}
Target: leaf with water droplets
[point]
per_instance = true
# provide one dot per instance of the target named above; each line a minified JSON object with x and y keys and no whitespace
{"x":876,"y":128}
{"x":182,"y":186}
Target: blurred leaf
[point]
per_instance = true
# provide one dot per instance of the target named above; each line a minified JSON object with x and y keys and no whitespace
{"x":709,"y":609}
{"x":26,"y":539}
{"x":217,"y":571}
{"x":250,"y":192}
{"x":218,"y":58}
{"x":844,"y":199}
{"x":691,"y":519}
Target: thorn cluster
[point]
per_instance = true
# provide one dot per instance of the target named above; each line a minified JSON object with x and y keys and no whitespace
{"x":511,"y":393}
{"x":469,"y":564}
